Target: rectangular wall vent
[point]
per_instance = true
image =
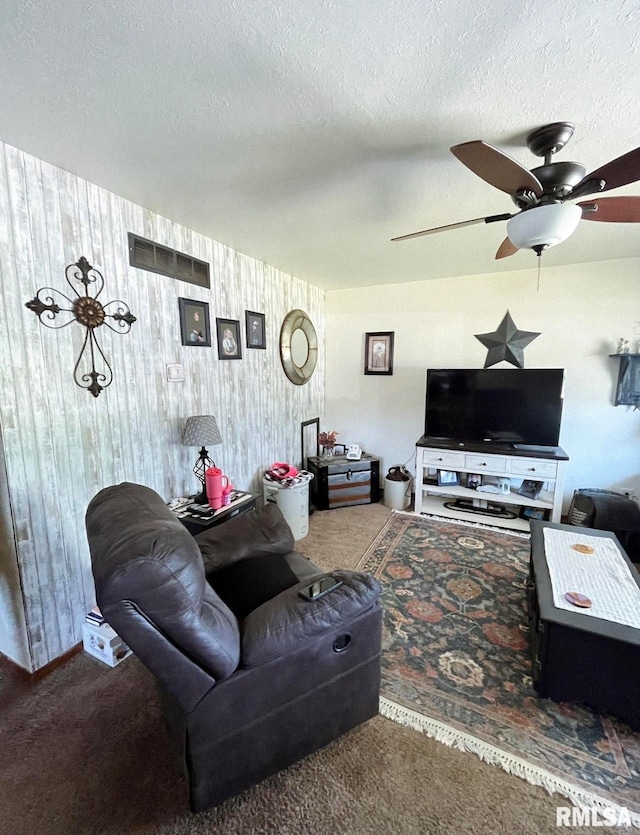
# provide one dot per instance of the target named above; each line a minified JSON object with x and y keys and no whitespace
{"x":147,"y":255}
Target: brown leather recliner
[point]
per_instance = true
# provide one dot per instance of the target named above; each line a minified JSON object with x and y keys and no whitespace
{"x":253,"y":676}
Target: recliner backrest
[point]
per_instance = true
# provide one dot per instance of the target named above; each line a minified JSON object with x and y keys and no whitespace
{"x":151,"y":587}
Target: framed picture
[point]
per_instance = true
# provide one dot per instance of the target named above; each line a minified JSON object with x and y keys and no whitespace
{"x":474,"y":480}
{"x":309,"y":431}
{"x":530,"y":489}
{"x":256,"y":335}
{"x":447,"y":477}
{"x":532,"y":513}
{"x":194,"y":323}
{"x":378,"y":353}
{"x":229,"y":344}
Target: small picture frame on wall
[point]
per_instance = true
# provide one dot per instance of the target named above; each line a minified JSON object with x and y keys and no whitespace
{"x":256,"y":334}
{"x":378,"y":353}
{"x":229,"y":344}
{"x":195,"y":329}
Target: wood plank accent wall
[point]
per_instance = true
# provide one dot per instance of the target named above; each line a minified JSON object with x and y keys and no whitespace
{"x":60,"y":444}
{"x":13,"y":629}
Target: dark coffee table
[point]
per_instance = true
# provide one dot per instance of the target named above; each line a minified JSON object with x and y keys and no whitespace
{"x":577,"y":658}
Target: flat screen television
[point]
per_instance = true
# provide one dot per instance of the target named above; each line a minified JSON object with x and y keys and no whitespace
{"x":520,"y":407}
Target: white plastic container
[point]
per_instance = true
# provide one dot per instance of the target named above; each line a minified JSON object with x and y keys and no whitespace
{"x":397,"y":491}
{"x":293,"y":503}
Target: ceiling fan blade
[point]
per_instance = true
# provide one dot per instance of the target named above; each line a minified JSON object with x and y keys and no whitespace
{"x":612,"y":209}
{"x":618,"y":172}
{"x":489,"y":219}
{"x":506,"y":249}
{"x":496,"y":168}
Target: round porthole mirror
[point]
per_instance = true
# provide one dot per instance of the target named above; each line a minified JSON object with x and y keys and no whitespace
{"x":298,"y":347}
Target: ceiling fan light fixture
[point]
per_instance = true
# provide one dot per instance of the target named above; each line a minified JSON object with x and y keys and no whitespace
{"x":543,"y":226}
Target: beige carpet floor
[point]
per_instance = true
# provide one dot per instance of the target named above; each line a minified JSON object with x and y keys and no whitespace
{"x":84,"y":751}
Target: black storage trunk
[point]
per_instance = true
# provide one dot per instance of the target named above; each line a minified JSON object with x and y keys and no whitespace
{"x":340,"y":482}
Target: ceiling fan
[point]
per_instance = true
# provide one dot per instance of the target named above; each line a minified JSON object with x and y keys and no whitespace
{"x":545,"y":217}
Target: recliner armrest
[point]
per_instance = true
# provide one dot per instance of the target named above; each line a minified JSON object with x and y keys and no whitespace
{"x":284,"y":623}
{"x":252,"y":534}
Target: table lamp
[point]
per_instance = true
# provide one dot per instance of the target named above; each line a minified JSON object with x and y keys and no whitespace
{"x":201,"y":430}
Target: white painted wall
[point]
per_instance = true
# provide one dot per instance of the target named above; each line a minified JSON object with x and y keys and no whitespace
{"x":60,"y":444}
{"x":580,"y":311}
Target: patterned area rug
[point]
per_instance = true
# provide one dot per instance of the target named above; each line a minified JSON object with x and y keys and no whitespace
{"x":456,"y":662}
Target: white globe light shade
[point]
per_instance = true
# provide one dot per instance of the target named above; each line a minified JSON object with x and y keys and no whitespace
{"x":544,"y":226}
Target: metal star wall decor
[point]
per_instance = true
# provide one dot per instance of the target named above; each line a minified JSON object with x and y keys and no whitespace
{"x":91,"y":314}
{"x":506,"y":343}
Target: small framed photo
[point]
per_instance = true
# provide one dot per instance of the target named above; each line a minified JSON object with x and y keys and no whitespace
{"x":446,"y":477}
{"x":378,"y":353}
{"x":194,"y":323}
{"x":256,"y":335}
{"x":530,"y":489}
{"x":474,"y":480}
{"x":229,"y":345}
{"x":532,"y":513}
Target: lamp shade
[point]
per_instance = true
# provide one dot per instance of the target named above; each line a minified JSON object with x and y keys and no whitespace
{"x":201,"y":430}
{"x":543,"y":226}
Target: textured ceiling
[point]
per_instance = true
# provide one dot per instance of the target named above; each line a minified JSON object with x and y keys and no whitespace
{"x":307,"y":133}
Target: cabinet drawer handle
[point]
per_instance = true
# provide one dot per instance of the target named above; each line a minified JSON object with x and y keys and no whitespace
{"x":532,"y":469}
{"x":483,"y":464}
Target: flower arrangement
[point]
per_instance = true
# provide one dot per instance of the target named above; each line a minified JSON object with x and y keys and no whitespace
{"x":327,"y":440}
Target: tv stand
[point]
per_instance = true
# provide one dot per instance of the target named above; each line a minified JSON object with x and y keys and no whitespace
{"x":542,"y":464}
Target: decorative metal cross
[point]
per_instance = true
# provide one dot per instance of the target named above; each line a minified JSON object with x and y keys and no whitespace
{"x":90,"y":313}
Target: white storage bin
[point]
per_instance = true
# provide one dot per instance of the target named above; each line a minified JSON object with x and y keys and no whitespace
{"x":293,"y":503}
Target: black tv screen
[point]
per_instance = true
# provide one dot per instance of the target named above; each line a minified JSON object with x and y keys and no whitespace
{"x":499,"y":405}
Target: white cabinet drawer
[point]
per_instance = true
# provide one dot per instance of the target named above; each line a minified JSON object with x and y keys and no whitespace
{"x":488,"y":463}
{"x":441,"y":459}
{"x":534,"y":468}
